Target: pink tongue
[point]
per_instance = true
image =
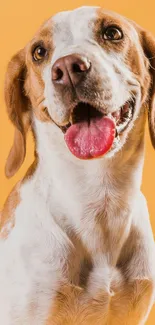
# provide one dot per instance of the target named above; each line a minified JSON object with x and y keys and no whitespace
{"x":87,"y":141}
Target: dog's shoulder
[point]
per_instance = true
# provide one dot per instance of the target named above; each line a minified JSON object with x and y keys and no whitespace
{"x":7,"y":213}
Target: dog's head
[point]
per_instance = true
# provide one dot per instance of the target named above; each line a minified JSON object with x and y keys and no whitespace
{"x":85,"y":77}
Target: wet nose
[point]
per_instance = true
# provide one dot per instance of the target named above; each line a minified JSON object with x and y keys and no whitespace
{"x":70,"y":70}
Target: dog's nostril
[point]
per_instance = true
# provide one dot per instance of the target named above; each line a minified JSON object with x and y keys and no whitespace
{"x":80,"y":67}
{"x":57,"y":74}
{"x":77,"y":68}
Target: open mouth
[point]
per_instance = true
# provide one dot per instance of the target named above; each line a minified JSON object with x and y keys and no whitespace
{"x":91,"y":134}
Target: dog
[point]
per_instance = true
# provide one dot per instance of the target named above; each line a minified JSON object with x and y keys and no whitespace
{"x":76,"y":245}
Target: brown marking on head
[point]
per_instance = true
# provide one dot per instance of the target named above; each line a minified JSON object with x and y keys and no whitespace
{"x":139,"y":56}
{"x":106,"y":19}
{"x":34,"y":85}
{"x":129,"y":46}
{"x":24,"y":88}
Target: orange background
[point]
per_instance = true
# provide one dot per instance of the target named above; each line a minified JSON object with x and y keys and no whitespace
{"x":18,"y":22}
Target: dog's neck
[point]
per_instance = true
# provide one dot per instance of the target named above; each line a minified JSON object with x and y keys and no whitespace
{"x":75,"y":179}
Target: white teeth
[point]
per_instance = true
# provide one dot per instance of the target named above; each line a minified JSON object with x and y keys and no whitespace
{"x":123,"y":125}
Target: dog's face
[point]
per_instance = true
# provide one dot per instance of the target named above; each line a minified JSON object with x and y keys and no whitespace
{"x":86,"y":72}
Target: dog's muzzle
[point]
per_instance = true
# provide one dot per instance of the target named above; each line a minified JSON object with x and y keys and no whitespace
{"x":90,"y":133}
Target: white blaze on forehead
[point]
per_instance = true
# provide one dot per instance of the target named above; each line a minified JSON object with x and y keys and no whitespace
{"x":71,"y":28}
{"x":71,"y":33}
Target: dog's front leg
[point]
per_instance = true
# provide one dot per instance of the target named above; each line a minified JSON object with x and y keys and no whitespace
{"x":134,"y":297}
{"x":89,"y":305}
{"x":104,"y":240}
{"x":125,"y":292}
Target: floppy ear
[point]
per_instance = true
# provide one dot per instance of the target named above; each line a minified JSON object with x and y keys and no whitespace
{"x":17,"y":106}
{"x":149,"y":48}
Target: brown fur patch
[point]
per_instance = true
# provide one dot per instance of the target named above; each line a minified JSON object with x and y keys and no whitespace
{"x":34,"y":84}
{"x":17,"y":106}
{"x":106,"y":19}
{"x":72,"y":306}
{"x":31,"y":170}
{"x":127,"y":305}
{"x":7,"y":221}
{"x":130,"y":303}
{"x":131,"y":49}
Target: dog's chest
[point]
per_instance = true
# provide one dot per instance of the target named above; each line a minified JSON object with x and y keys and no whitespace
{"x":56,"y":226}
{"x":90,"y":205}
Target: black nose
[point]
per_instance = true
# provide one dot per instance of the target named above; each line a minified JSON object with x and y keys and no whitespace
{"x":70,"y":70}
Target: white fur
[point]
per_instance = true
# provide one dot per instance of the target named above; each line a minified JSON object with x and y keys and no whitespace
{"x":68,"y":196}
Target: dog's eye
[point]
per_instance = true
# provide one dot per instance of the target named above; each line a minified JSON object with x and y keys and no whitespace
{"x":39,"y":53}
{"x":113,"y":34}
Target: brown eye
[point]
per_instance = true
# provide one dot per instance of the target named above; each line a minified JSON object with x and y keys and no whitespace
{"x":39,"y":53}
{"x":113,"y":34}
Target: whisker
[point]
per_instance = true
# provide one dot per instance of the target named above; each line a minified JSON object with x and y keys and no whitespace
{"x":39,"y":101}
{"x":19,"y":79}
{"x":153,"y":57}
{"x":151,"y":66}
{"x":133,"y":96}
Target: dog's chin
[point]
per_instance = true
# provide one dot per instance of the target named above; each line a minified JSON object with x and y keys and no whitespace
{"x":112,"y":127}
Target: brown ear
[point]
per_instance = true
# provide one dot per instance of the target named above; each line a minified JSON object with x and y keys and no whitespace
{"x":17,"y":107}
{"x":148,"y":41}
